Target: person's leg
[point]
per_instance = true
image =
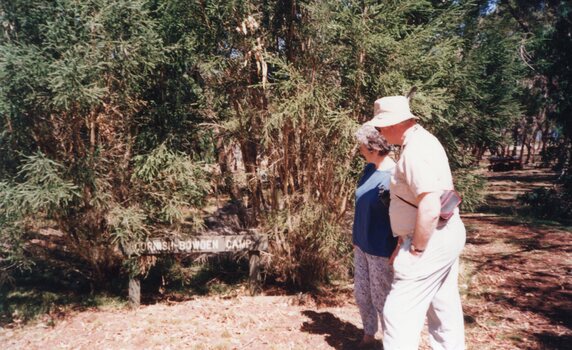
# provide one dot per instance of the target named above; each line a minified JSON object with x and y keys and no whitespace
{"x":380,"y":278}
{"x":445,"y":315}
{"x":417,"y":281}
{"x":362,"y":293}
{"x":406,"y":305}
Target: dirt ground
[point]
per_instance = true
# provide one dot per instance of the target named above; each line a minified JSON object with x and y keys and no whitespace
{"x":515,"y":282}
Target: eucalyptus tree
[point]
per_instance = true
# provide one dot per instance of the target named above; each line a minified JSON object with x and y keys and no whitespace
{"x":80,"y":81}
{"x":554,"y":54}
{"x":318,"y":66}
{"x":548,"y":50}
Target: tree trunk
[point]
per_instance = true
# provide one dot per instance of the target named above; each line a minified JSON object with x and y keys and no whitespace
{"x":222,"y":152}
{"x":249,"y":154}
{"x":480,"y":154}
{"x":545,"y":136}
{"x":254,"y":272}
{"x":530,"y":147}
{"x":524,"y":141}
{"x":515,"y":141}
{"x":291,"y":15}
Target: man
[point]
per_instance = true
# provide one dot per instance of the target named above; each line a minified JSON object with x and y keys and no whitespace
{"x":427,"y":261}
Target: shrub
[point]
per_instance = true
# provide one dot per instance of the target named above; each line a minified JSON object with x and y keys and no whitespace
{"x":471,"y":187}
{"x":309,"y":247}
{"x":548,"y":203}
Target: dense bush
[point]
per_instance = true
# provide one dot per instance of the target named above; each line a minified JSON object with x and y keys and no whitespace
{"x":309,"y":247}
{"x":81,"y":150}
{"x":471,"y":187}
{"x":553,"y":203}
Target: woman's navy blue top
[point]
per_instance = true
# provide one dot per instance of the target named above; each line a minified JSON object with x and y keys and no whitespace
{"x":372,"y":230}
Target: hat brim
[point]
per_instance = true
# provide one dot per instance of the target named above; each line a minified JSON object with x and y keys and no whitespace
{"x":382,"y":120}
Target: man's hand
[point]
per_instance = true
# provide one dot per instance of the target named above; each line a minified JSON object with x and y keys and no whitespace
{"x":429,"y":207}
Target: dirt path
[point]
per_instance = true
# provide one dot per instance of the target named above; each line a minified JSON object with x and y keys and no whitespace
{"x":518,"y":274}
{"x":515,"y":280}
{"x":264,"y":322}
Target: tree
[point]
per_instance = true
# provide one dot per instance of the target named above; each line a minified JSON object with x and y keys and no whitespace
{"x":79,"y":95}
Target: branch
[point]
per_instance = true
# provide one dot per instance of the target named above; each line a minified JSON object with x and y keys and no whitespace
{"x":513,"y":13}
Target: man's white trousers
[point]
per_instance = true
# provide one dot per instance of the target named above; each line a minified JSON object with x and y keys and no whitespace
{"x":427,"y":285}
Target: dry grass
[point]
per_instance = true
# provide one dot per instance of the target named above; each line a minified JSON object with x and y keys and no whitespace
{"x":205,"y":323}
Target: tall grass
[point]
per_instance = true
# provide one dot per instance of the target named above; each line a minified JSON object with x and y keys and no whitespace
{"x":308,"y":247}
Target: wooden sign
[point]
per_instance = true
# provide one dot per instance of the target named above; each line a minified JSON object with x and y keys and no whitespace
{"x":202,"y":244}
{"x":253,"y":243}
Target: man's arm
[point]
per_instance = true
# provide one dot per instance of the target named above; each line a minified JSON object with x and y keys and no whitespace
{"x":429,"y":207}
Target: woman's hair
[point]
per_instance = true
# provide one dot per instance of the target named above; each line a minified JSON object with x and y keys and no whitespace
{"x":371,"y":138}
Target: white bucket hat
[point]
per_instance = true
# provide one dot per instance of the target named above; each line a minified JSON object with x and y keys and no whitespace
{"x":390,"y":110}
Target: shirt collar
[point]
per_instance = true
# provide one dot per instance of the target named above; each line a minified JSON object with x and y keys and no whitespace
{"x":409,"y":133}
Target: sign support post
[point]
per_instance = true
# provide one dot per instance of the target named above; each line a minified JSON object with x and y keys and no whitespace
{"x":254,"y":271}
{"x":134,"y":292}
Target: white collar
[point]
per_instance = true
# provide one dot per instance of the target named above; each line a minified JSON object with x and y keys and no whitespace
{"x":409,"y":133}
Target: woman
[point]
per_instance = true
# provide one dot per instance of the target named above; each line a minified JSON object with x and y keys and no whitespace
{"x":372,"y":237}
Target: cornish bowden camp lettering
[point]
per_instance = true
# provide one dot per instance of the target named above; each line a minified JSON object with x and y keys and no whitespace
{"x":203,"y":244}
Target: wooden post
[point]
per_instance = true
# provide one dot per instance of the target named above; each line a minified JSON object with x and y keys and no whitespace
{"x":254,"y":272}
{"x":134,"y":292}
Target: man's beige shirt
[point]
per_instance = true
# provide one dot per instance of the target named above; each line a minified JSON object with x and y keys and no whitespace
{"x":422,"y":167}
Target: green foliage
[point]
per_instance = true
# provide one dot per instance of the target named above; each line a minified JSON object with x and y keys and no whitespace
{"x":548,"y":203}
{"x":556,"y":54}
{"x":471,"y":187}
{"x":41,"y":188}
{"x":555,"y":154}
{"x":127,"y":225}
{"x":81,"y":82}
{"x":168,"y":182}
{"x":487,"y":85}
